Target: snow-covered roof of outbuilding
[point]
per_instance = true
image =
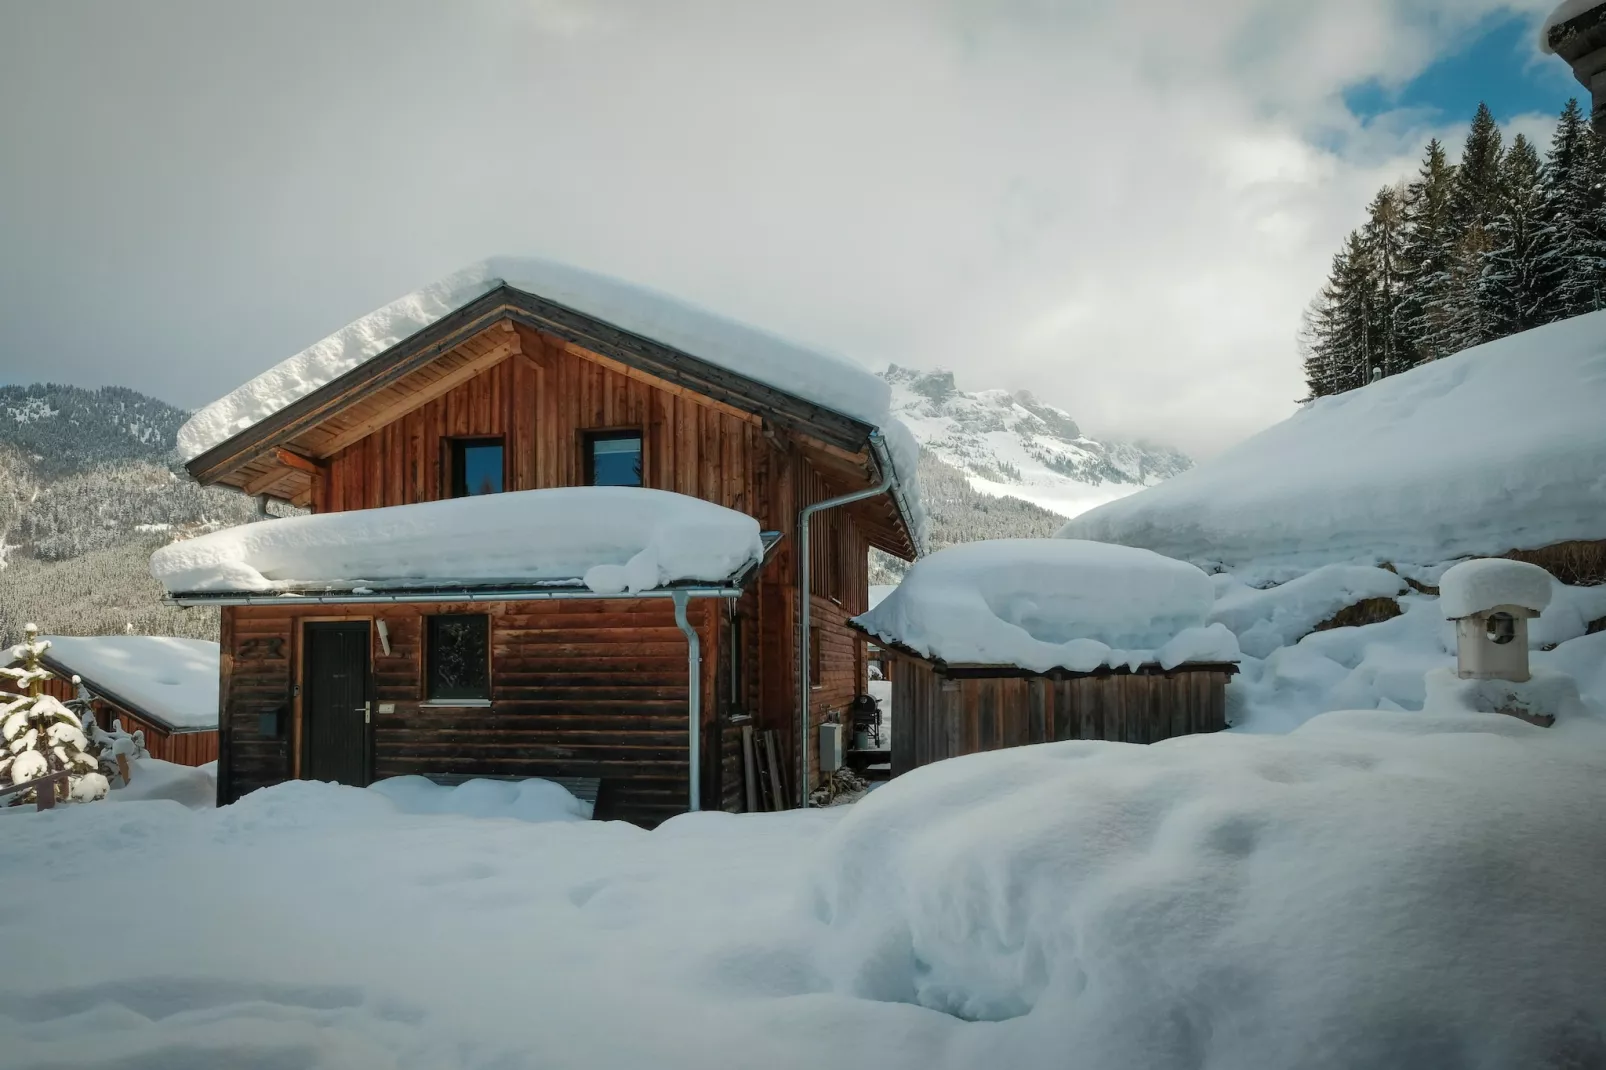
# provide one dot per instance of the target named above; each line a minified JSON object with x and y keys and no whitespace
{"x":1498,"y":448}
{"x":169,"y":681}
{"x":601,"y":540}
{"x":1044,"y":604}
{"x":821,"y":382}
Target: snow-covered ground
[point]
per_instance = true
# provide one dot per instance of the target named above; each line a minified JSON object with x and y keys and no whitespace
{"x":1374,"y":890}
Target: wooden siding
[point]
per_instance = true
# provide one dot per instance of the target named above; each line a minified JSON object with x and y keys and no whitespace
{"x":181,"y":748}
{"x":941,"y":717}
{"x":579,"y":688}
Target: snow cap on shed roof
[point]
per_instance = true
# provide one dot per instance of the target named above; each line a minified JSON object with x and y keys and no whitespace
{"x":168,"y":680}
{"x":1043,"y":604}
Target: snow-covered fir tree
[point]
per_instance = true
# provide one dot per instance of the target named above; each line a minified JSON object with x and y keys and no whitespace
{"x":1465,"y":254}
{"x":41,"y":736}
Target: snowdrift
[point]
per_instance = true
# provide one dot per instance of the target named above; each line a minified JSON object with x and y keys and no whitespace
{"x":1373,"y":890}
{"x":1501,"y":447}
{"x":1052,"y":603}
{"x":612,"y":538}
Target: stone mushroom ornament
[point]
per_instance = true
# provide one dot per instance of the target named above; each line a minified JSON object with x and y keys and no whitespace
{"x":1491,"y":601}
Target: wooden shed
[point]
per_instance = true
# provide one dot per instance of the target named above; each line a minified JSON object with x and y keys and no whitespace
{"x":159,"y":685}
{"x":1009,"y":642}
{"x":944,"y":711}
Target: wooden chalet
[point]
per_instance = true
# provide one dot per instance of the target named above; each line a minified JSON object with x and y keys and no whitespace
{"x":512,"y":391}
{"x":172,"y":731}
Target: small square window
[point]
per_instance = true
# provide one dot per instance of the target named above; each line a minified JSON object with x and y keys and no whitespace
{"x":613,"y":458}
{"x":476,"y":466}
{"x":458,"y":660}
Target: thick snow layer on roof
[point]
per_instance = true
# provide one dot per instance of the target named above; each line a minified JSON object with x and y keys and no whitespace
{"x":1500,"y":447}
{"x":613,"y":538}
{"x":1474,"y":587}
{"x":828,"y":380}
{"x":174,"y":679}
{"x":1264,"y":620}
{"x":1566,"y":11}
{"x":1052,"y":603}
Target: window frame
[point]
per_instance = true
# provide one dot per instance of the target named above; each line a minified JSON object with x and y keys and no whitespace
{"x":588,"y":458}
{"x":428,"y":658}
{"x":455,"y":468}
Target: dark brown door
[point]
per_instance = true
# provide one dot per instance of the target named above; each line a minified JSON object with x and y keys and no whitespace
{"x":334,"y":701}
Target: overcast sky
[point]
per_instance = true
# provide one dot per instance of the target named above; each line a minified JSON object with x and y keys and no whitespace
{"x":1120,"y":206}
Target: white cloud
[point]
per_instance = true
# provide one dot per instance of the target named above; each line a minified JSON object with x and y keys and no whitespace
{"x":1121,"y":207}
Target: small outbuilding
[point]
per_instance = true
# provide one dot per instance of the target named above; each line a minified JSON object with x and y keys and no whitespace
{"x":163,"y":686}
{"x":1009,"y":642}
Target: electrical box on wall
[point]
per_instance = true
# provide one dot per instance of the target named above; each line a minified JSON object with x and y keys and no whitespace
{"x":830,"y":748}
{"x":268,"y":725}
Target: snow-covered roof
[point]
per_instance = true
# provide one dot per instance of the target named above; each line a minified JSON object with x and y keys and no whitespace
{"x":823,"y":379}
{"x":170,"y":681}
{"x":604,"y":539}
{"x":1566,"y":11}
{"x":1044,"y":604}
{"x":1498,"y":448}
{"x":1474,"y":587}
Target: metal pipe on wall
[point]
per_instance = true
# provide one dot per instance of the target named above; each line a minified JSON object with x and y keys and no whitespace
{"x":694,"y":702}
{"x":805,"y":596}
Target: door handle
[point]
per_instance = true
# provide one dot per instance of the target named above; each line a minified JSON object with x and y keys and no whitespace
{"x":366,"y":712}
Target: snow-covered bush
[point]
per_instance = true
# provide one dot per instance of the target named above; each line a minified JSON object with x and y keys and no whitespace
{"x":42,"y":736}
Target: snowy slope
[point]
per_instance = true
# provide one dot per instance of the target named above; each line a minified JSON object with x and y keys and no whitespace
{"x":1498,"y":448}
{"x":1012,"y":444}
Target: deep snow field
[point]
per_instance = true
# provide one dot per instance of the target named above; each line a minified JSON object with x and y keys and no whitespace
{"x":1389,"y":888}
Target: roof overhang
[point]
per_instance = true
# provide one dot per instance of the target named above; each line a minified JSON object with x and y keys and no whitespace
{"x":280,"y":454}
{"x":961,"y":671}
{"x":572,"y":589}
{"x":1581,"y":41}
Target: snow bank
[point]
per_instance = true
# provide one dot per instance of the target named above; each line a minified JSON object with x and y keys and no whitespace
{"x":173,"y":679}
{"x":152,"y":779}
{"x":521,"y":800}
{"x":1373,"y":890}
{"x":1264,"y":620}
{"x":615,"y":538}
{"x":825,"y":379}
{"x":1500,"y":447}
{"x":1474,"y":587}
{"x":1052,"y":603}
{"x":1548,"y":694}
{"x":1565,"y":12}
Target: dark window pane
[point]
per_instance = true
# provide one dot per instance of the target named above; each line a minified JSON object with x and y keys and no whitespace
{"x":459,"y":657}
{"x":615,"y":460}
{"x":476,"y":467}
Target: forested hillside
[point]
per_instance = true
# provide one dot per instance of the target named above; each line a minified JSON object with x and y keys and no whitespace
{"x":1464,"y":253}
{"x":86,"y":493}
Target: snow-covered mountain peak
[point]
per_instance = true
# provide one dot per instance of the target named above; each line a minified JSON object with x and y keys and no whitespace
{"x":1010,"y":443}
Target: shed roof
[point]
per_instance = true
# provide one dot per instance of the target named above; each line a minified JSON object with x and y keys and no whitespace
{"x":168,"y":681}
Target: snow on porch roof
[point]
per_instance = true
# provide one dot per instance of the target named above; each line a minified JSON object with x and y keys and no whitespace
{"x":169,"y":681}
{"x":586,"y":541}
{"x":1047,"y":604}
{"x":825,"y":380}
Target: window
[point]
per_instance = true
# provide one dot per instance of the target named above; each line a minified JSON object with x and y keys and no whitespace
{"x":613,"y":458}
{"x":458,"y":661}
{"x":476,"y":465}
{"x":816,"y":658}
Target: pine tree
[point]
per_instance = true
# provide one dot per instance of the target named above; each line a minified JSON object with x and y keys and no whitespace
{"x":1462,"y":317}
{"x":1574,"y":182}
{"x":1428,"y":252}
{"x":1518,"y":274}
{"x":1478,"y":180}
{"x":41,"y":736}
{"x":1344,"y":342}
{"x":1391,"y":350}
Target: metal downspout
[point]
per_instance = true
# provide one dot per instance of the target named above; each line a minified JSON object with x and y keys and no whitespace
{"x":877,"y":450}
{"x":694,"y":701}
